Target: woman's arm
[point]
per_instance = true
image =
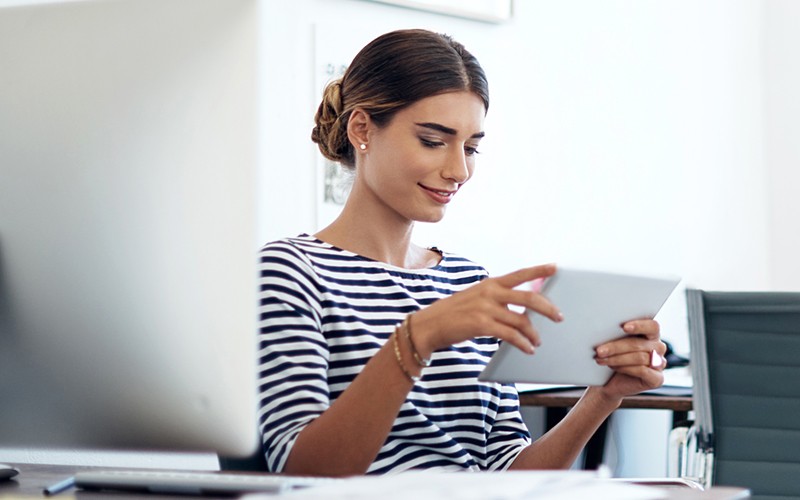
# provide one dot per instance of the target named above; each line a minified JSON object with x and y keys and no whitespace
{"x":559,"y":447}
{"x":632,"y":360}
{"x":346,"y":438}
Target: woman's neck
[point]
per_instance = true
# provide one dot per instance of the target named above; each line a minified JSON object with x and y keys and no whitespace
{"x":370,"y":233}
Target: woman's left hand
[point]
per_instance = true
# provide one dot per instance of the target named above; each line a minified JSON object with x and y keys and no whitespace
{"x":637,"y":359}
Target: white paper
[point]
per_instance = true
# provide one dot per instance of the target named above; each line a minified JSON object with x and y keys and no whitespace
{"x":539,"y":485}
{"x":525,"y":387}
{"x":678,"y":377}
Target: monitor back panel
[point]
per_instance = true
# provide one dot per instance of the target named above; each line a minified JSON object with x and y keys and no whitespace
{"x":127,"y":224}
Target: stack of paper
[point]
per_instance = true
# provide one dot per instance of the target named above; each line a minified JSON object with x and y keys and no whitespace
{"x":539,"y":485}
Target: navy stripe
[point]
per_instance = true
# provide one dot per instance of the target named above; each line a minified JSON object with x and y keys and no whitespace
{"x":292,"y":391}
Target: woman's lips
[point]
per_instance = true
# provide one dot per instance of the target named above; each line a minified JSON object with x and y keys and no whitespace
{"x":442,"y":196}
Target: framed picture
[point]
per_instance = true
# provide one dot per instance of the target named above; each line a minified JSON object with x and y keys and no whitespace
{"x":491,"y":11}
{"x":332,"y":51}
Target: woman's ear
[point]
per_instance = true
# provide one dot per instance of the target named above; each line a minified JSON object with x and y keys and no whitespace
{"x":358,"y":126}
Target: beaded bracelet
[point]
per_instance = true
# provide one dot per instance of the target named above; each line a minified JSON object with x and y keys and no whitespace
{"x":423,"y":362}
{"x":399,"y":357}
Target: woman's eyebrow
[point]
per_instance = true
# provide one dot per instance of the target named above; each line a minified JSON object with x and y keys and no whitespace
{"x":447,"y":130}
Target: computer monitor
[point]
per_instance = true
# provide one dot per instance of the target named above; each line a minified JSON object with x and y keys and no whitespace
{"x":128,"y":151}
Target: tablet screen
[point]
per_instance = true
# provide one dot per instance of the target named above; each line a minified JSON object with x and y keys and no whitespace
{"x":595,"y":306}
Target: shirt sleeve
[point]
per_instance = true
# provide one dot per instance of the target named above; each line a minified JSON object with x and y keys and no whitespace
{"x":293,"y":353}
{"x":509,"y":434}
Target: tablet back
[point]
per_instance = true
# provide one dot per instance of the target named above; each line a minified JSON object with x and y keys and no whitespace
{"x":595,"y":305}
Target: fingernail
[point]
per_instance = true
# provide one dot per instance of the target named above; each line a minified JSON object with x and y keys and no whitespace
{"x":560,"y":316}
{"x":655,"y":359}
{"x":628,"y":327}
{"x":531,"y":349}
{"x":602,"y":352}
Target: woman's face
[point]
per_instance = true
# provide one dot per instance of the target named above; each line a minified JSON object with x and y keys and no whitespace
{"x":415,"y":165}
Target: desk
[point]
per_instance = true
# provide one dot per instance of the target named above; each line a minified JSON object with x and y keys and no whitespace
{"x":568,"y":397}
{"x":34,"y":478}
{"x":558,"y":402}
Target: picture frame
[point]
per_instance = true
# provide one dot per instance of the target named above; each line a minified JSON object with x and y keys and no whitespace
{"x":490,"y":11}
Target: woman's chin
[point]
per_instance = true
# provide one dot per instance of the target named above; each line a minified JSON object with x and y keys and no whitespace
{"x":431,"y":217}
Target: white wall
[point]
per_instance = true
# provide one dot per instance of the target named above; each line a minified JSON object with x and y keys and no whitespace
{"x":623,"y":134}
{"x":781,"y":66}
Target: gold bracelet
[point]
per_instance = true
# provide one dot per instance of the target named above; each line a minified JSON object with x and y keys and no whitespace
{"x":399,"y":357}
{"x":423,"y":362}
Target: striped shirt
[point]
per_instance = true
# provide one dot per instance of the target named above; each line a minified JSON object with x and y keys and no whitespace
{"x":324,"y":312}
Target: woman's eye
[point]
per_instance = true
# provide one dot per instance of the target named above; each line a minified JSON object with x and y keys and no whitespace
{"x":429,"y":144}
{"x":471,"y":150}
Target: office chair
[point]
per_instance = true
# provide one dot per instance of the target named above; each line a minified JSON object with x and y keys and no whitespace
{"x":746,"y":369}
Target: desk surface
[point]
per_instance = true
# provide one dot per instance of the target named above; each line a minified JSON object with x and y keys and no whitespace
{"x":34,"y":478}
{"x":568,"y":397}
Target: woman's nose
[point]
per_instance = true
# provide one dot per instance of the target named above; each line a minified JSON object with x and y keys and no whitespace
{"x":457,"y":168}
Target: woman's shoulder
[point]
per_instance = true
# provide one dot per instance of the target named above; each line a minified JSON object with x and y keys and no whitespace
{"x":293,"y":251}
{"x":305,"y":249}
{"x":300,"y":243}
{"x":454,"y":262}
{"x":303,"y":244}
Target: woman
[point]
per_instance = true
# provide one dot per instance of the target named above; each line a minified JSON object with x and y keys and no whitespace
{"x":370,"y":345}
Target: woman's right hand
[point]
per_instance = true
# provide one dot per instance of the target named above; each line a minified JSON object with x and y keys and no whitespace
{"x":482,"y":310}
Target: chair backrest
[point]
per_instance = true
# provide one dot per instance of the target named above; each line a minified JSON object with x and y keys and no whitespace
{"x":746,"y":364}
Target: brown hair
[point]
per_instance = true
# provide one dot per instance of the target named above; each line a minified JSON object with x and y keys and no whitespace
{"x":392,"y":72}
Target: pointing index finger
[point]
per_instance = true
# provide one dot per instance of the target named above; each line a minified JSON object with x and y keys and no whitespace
{"x":524,"y":275}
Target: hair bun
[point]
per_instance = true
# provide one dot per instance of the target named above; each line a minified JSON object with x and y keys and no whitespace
{"x":330,"y":131}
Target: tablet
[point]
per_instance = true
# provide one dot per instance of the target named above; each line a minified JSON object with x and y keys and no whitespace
{"x":595,"y":306}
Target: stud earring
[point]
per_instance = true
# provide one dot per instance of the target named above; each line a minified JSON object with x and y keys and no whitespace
{"x":363,"y":147}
